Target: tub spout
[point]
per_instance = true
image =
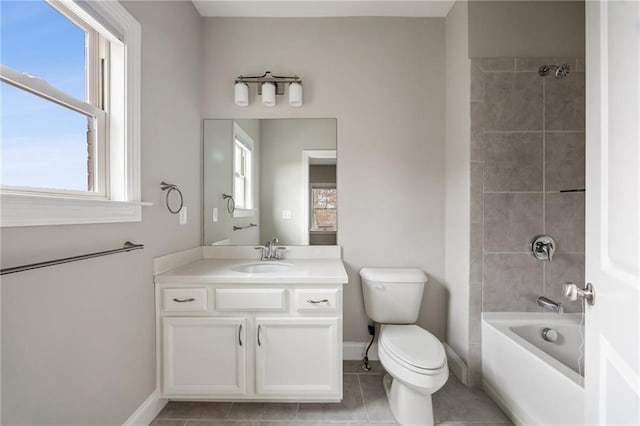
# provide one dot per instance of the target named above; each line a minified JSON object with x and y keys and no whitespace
{"x":550,"y":305}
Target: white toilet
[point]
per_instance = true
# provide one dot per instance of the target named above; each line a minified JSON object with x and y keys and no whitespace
{"x":414,"y":358}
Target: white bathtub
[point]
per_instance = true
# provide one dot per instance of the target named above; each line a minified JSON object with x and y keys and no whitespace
{"x":536,"y":382}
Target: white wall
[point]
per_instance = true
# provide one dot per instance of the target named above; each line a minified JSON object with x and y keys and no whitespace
{"x":78,"y":340}
{"x":526,"y":28}
{"x":283,"y":142}
{"x":458,"y":181}
{"x":383,"y":79}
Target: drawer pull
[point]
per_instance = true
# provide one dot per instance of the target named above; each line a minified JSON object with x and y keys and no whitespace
{"x":317,"y":301}
{"x":191,"y":299}
{"x":259,"y":343}
{"x":240,"y":335}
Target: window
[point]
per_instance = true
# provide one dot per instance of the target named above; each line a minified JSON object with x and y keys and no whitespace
{"x":242,"y":172}
{"x":69,"y":113}
{"x":323,"y":207}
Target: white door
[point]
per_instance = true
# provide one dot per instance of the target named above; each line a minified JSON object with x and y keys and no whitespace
{"x":204,"y":356}
{"x":612,"y":212}
{"x":298,"y":356}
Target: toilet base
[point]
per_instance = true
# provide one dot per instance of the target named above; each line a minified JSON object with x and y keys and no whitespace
{"x":410,"y":408}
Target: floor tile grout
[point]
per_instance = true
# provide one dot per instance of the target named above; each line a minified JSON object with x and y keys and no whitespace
{"x":484,"y":413}
{"x":364,"y":402}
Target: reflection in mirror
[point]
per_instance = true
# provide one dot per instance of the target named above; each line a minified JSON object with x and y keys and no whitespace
{"x":281,"y":174}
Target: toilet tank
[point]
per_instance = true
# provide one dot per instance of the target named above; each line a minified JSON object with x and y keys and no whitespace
{"x":392,"y":295}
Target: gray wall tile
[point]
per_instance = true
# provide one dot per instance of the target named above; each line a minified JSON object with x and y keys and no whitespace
{"x":477,"y":192}
{"x":477,"y":131}
{"x":477,"y":83}
{"x":564,"y":102}
{"x":475,"y":255}
{"x":495,"y":64}
{"x":513,"y":101}
{"x":475,"y":309}
{"x":564,"y":221}
{"x":512,"y":167}
{"x":512,"y":282}
{"x":511,"y":221}
{"x":564,"y":267}
{"x":564,"y":161}
{"x":474,"y":363}
{"x":513,"y":162}
{"x":532,"y":64}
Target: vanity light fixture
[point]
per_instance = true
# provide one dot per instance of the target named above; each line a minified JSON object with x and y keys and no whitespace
{"x":295,"y":94}
{"x":268,"y":94}
{"x":241,"y":94}
{"x":269,"y":86}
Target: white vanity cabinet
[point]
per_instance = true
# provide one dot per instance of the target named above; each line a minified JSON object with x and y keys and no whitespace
{"x":297,"y":356}
{"x":250,"y":342}
{"x":204,"y":355}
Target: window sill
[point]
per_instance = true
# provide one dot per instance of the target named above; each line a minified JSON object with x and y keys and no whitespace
{"x":243,"y":212}
{"x":29,"y":210}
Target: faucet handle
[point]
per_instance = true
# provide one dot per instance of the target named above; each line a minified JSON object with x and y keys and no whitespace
{"x":572,"y":292}
{"x":279,"y":251}
{"x":262,"y":250}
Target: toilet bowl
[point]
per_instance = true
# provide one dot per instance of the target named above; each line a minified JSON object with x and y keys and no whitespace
{"x":414,"y":358}
{"x":417,"y":367}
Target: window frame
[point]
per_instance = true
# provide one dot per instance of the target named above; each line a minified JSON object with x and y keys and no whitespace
{"x":121,"y":201}
{"x":248,"y":144}
{"x":313,"y":186}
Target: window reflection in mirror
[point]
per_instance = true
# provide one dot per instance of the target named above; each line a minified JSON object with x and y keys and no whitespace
{"x":271,"y":166}
{"x":242,"y":172}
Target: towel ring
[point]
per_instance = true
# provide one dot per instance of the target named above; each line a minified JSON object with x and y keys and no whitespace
{"x":171,"y":187}
{"x":231,"y":203}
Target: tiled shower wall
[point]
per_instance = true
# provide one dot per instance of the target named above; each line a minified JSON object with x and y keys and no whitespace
{"x":527,"y":144}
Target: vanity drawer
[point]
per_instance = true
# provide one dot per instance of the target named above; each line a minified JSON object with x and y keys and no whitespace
{"x":250,"y":299}
{"x":317,"y":300}
{"x":184,"y":299}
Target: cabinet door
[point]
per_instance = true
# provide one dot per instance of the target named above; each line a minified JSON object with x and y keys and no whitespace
{"x":298,"y":356}
{"x":204,"y":356}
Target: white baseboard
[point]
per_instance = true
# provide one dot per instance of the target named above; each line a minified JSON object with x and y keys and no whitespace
{"x":148,"y":411}
{"x":456,"y":365}
{"x":353,"y":351}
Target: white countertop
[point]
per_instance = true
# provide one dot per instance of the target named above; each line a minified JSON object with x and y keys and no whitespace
{"x":216,"y":271}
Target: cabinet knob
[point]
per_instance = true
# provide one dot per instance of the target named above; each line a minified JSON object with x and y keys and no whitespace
{"x":191,"y":299}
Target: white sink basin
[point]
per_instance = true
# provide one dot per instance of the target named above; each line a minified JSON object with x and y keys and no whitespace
{"x":262,"y":267}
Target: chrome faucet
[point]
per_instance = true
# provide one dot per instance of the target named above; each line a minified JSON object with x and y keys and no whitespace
{"x":270,"y":250}
{"x":550,"y":305}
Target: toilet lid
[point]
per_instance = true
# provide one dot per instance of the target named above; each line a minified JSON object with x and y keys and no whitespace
{"x":414,"y":346}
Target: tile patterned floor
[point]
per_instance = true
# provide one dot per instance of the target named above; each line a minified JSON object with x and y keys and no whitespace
{"x":364,"y":404}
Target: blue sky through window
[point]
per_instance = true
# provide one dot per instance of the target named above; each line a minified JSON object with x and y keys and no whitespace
{"x":43,"y":144}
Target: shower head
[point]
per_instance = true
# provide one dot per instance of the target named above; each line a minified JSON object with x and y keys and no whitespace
{"x":561,"y":71}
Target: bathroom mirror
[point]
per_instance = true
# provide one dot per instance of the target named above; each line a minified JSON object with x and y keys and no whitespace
{"x":266,"y":178}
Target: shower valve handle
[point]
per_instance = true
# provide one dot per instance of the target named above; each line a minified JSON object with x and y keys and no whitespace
{"x":572,"y":292}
